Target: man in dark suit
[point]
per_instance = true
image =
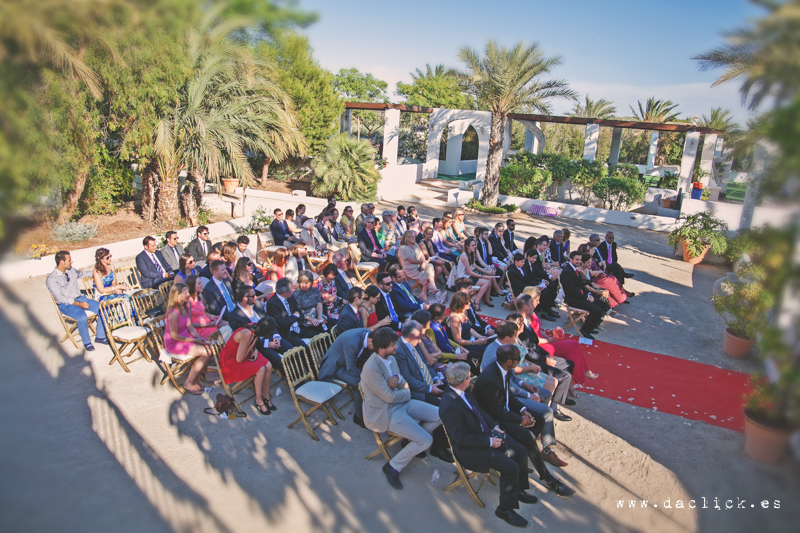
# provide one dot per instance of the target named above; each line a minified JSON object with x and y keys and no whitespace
{"x":517,"y":276}
{"x":344,"y":360}
{"x":153,"y":269}
{"x":608,"y":252}
{"x":278,"y":228}
{"x":470,"y":430}
{"x":200,"y":246}
{"x":205,"y":272}
{"x":558,"y":249}
{"x":578,"y":297}
{"x":246,"y":312}
{"x":172,"y":251}
{"x":343,"y":283}
{"x":508,"y":235}
{"x":385,"y":306}
{"x":499,"y":249}
{"x":292,"y":324}
{"x":537,"y":276}
{"x":322,"y":227}
{"x":405,"y":303}
{"x":218,"y":293}
{"x":492,"y":393}
{"x":368,"y":244}
{"x":348,"y":316}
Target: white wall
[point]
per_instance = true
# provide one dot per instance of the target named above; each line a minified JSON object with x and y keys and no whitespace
{"x":399,"y":180}
{"x":731,"y":214}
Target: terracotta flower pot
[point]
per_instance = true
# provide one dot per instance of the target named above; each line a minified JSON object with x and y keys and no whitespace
{"x":763,"y":443}
{"x":229,"y":185}
{"x":736,"y":347}
{"x":694,"y":260}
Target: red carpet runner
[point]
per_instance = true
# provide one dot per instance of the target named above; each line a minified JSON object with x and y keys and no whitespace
{"x":666,"y":384}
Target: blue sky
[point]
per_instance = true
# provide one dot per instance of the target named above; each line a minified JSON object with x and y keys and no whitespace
{"x":622,"y":50}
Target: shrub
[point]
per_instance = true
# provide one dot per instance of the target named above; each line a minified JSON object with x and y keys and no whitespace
{"x":560,"y":168}
{"x":518,"y":180}
{"x":588,"y":174}
{"x":204,"y":214}
{"x":74,"y":232}
{"x":744,"y":308}
{"x":346,"y":168}
{"x":37,"y":251}
{"x":619,"y":193}
{"x":668,"y":181}
{"x":624,"y":170}
{"x":259,"y":222}
{"x":491,"y":210}
{"x":699,"y":231}
{"x":111,"y":182}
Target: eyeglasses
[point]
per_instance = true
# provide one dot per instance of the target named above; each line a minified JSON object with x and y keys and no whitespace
{"x":206,"y":233}
{"x":67,"y":275}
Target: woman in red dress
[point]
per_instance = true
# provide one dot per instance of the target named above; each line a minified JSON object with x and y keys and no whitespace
{"x":567,"y":349}
{"x":240,"y":360}
{"x":616,"y":293}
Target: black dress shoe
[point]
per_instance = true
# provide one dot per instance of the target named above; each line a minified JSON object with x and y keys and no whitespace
{"x":524,"y":497}
{"x":557,"y":486}
{"x":558,"y":415}
{"x":101,"y":341}
{"x":359,"y":421}
{"x":548,"y":318}
{"x":393,"y":476}
{"x":553,"y":313}
{"x":626,"y":302}
{"x":569,"y":401}
{"x":586,"y":334}
{"x":443,"y":454}
{"x":421,"y":455}
{"x":511,"y":517}
{"x":628,"y":275}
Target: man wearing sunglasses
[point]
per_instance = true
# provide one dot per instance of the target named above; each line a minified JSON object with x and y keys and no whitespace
{"x":200,"y":246}
{"x":62,"y":283}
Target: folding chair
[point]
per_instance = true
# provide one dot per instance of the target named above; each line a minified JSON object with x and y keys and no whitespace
{"x":172,"y":365}
{"x":318,"y":346}
{"x":391,"y":440}
{"x":463,"y":476}
{"x":120,"y":328}
{"x":365,"y":271}
{"x":304,"y":388}
{"x":265,"y":248}
{"x":164,"y":288}
{"x":575,"y":317}
{"x":71,"y":325}
{"x":129,"y":276}
{"x":334,"y":332}
{"x":234,"y":387}
{"x":146,"y":302}
{"x":88,"y":286}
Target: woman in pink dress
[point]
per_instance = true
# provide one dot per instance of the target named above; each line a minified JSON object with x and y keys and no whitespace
{"x":616,"y":293}
{"x":205,"y":323}
{"x":567,"y":349}
{"x":180,"y":337}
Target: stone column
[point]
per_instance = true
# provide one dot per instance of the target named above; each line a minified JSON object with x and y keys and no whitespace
{"x":455,"y":138}
{"x":653,"y":150}
{"x":590,"y":141}
{"x":616,"y":144}
{"x":507,"y":138}
{"x":687,"y":163}
{"x":344,"y":121}
{"x":707,"y":159}
{"x":534,"y":136}
{"x":391,"y":132}
{"x":761,"y":158}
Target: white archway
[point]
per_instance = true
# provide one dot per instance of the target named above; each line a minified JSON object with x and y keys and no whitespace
{"x":460,"y":120}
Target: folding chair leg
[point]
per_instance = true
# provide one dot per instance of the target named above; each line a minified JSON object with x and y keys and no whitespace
{"x":462,"y":478}
{"x":381,"y":448}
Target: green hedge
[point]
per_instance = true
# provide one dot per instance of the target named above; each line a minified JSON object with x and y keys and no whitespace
{"x":499,"y":210}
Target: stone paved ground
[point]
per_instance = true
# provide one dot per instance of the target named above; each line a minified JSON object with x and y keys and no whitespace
{"x":87,"y":447}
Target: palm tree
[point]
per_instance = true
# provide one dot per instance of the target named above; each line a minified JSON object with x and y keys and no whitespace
{"x":505,"y":80}
{"x":655,"y":111}
{"x":346,"y":167}
{"x":227,"y":108}
{"x":594,"y":109}
{"x":438,"y":71}
{"x":719,"y":119}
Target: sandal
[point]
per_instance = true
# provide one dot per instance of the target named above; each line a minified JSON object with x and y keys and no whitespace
{"x":268,"y":402}
{"x":476,"y":307}
{"x":592,"y":375}
{"x":196,"y":392}
{"x":260,"y":408}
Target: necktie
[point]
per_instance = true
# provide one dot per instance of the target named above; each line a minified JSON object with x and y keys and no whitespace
{"x":609,"y":255}
{"x":205,"y":249}
{"x":391,"y":307}
{"x":346,"y":281}
{"x":505,"y":388}
{"x":481,"y":420}
{"x":160,"y":270}
{"x":371,"y":238}
{"x":228,"y":300}
{"x":295,"y":328}
{"x":410,"y":296}
{"x":177,"y":255}
{"x":422,"y":368}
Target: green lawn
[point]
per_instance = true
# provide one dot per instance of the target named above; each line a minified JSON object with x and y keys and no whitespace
{"x":463,"y":177}
{"x":736,"y":192}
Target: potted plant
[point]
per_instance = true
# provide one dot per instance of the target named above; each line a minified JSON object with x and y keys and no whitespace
{"x":743,"y":305}
{"x":699,"y":233}
{"x":229,"y":184}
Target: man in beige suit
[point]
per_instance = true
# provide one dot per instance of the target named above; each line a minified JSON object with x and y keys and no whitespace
{"x":388,"y":405}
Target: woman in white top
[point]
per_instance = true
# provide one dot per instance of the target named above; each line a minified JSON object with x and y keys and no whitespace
{"x":291,"y":225}
{"x":467,"y":267}
{"x":297,"y":262}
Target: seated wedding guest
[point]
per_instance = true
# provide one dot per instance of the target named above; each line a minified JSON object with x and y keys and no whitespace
{"x":293,"y":231}
{"x":399,"y":221}
{"x":205,"y":272}
{"x":388,"y":405}
{"x":485,"y":263}
{"x":567,"y":235}
{"x":62,"y":283}
{"x":449,"y":352}
{"x":575,"y":295}
{"x":427,"y":347}
{"x":337,"y":230}
{"x":218,"y":293}
{"x":508,"y":236}
{"x":369,"y":246}
{"x":467,"y":267}
{"x":438,"y":239}
{"x":349,"y":316}
{"x":105,"y":281}
{"x":411,"y":216}
{"x":517,"y":276}
{"x":534,"y":399}
{"x":247,"y":312}
{"x":531,"y":241}
{"x":602,"y":296}
{"x":348,"y":222}
{"x":389,"y":231}
{"x":449,"y":234}
{"x":153,"y":270}
{"x":300,"y":214}
{"x":297,"y":261}
{"x":343,"y":283}
{"x":384,"y":306}
{"x":403,"y":298}
{"x":186,"y":268}
{"x":541,"y":380}
{"x":478,"y":324}
{"x":381,"y":235}
{"x":344,"y":360}
{"x":441,"y":265}
{"x":200,"y":246}
{"x":360,"y":219}
{"x":242,"y":242}
{"x":172,"y":251}
{"x":490,"y":391}
{"x":547,"y":279}
{"x":458,"y":225}
{"x":416,"y":267}
{"x":309,"y":300}
{"x":244,"y":274}
{"x":293,"y":325}
{"x":499,"y":249}
{"x":228,"y":254}
{"x":204,"y":322}
{"x":602,"y":262}
{"x":460,"y":330}
{"x":278,"y":228}
{"x":239,"y":360}
{"x":332,"y":304}
{"x":277,"y":269}
{"x":608,"y":251}
{"x":367,"y":310}
{"x":180,"y":337}
{"x":470,"y":429}
{"x":559,"y":252}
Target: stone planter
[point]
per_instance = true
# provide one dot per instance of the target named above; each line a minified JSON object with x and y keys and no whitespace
{"x":229,"y":185}
{"x":694,"y":260}
{"x":763,"y":443}
{"x":736,"y":347}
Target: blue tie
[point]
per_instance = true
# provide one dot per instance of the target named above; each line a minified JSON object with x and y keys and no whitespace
{"x":160,"y":270}
{"x":391,"y":308}
{"x":228,"y":299}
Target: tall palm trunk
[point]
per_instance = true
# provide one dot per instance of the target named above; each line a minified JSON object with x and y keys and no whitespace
{"x":192,"y":196}
{"x":491,"y":184}
{"x":149,"y":188}
{"x":71,"y":203}
{"x":167,"y":211}
{"x":265,"y":171}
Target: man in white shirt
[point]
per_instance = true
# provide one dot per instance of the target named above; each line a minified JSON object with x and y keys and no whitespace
{"x":172,"y":251}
